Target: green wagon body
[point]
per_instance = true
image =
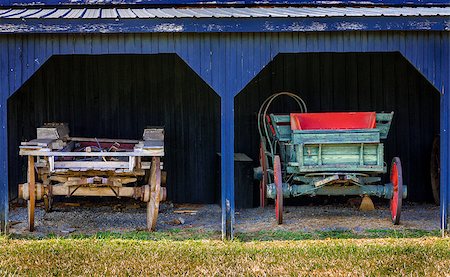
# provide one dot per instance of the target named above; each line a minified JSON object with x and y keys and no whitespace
{"x":325,"y":154}
{"x":331,"y":162}
{"x":314,"y":151}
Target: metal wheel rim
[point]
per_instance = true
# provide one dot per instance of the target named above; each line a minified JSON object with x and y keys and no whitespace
{"x":279,"y":187}
{"x":397,"y":182}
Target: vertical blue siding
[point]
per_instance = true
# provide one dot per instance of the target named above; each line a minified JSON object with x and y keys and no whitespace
{"x":445,"y":114}
{"x":4,"y":66}
{"x":227,"y":62}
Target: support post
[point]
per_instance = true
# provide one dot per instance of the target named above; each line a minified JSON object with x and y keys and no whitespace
{"x":32,"y":191}
{"x":444,"y":155}
{"x":227,"y":165}
{"x":444,"y":162}
{"x":444,"y":138}
{"x":3,"y":166}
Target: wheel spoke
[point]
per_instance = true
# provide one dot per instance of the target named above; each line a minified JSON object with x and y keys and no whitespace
{"x":263,"y":182}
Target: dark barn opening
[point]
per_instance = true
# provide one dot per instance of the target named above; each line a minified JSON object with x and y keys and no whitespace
{"x":116,"y":96}
{"x":352,"y":82}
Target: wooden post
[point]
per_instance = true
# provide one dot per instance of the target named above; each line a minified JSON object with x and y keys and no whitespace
{"x":155,"y":188}
{"x":32,"y":191}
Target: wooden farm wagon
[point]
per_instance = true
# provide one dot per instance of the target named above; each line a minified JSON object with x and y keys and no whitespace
{"x":59,"y":165}
{"x":337,"y":153}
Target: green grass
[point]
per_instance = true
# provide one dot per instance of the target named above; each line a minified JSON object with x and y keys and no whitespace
{"x":198,"y":234}
{"x":335,"y":234}
{"x":202,"y":253}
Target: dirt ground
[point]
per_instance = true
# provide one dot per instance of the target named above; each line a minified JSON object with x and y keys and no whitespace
{"x":83,"y":217}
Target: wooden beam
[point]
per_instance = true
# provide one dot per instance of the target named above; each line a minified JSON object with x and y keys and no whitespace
{"x":96,"y":191}
{"x":158,"y":152}
{"x":130,"y":141}
{"x":92,"y":165}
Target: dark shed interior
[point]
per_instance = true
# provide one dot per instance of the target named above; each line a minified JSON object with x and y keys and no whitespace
{"x":352,"y":82}
{"x":116,"y":96}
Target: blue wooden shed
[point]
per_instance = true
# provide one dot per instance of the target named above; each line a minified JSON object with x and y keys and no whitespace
{"x":227,"y":44}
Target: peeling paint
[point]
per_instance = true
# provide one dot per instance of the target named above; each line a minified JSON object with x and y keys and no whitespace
{"x":213,"y":27}
{"x":268,"y":27}
{"x":352,"y":26}
{"x":169,"y":27}
{"x":315,"y":26}
{"x":213,"y":24}
{"x":424,"y":25}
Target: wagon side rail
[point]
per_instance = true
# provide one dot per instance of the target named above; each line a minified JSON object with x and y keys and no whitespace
{"x":280,"y":126}
{"x":384,"y":121}
{"x":54,"y":159}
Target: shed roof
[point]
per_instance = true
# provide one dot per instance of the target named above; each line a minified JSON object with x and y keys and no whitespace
{"x":219,"y":12}
{"x":11,"y":3}
{"x":221,"y":19}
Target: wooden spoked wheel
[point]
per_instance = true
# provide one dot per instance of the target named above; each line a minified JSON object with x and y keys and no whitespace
{"x":48,"y":203}
{"x":397,"y":182}
{"x":47,"y":198}
{"x":163,"y":178}
{"x":279,"y":189}
{"x":263,"y":182}
{"x":155,"y":189}
{"x":435,"y":170}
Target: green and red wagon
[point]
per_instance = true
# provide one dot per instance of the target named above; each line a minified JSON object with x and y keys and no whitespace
{"x":329,"y":153}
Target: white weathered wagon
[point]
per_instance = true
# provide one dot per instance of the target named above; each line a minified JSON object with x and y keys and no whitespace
{"x":75,"y":166}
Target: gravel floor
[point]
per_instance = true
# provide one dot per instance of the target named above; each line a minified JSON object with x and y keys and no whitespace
{"x":88,"y":218}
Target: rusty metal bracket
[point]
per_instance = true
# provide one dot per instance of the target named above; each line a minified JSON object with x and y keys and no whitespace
{"x":115,"y":192}
{"x":69,"y":194}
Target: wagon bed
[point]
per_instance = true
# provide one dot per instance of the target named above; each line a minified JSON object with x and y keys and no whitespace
{"x":332,"y":142}
{"x":60,"y":165}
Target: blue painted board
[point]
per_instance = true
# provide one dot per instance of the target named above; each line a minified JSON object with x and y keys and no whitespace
{"x":227,"y":164}
{"x":444,"y":139}
{"x":3,"y":138}
{"x":207,"y":25}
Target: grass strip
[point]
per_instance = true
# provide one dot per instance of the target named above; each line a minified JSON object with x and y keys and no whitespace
{"x":133,"y":254}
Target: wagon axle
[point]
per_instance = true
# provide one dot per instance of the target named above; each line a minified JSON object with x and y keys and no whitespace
{"x":385,"y":191}
{"x":48,"y":191}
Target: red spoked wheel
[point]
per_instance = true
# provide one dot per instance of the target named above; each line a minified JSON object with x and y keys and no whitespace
{"x":397,"y":182}
{"x":263,"y":182}
{"x":279,"y":187}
